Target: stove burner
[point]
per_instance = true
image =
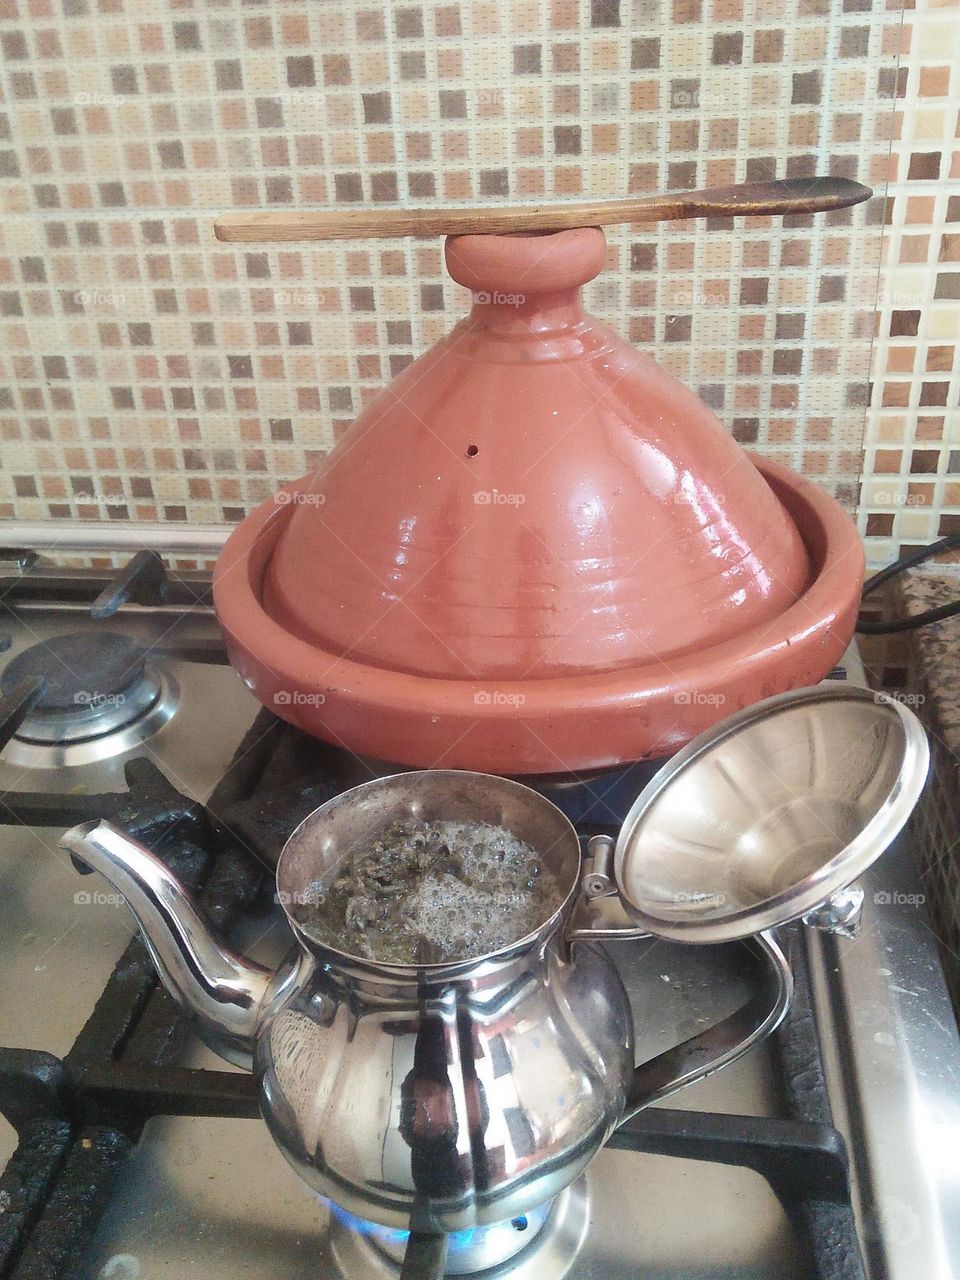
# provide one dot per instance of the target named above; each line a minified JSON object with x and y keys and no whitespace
{"x":538,"y":1245}
{"x":77,"y":671}
{"x":468,"y":1252}
{"x":89,"y":685}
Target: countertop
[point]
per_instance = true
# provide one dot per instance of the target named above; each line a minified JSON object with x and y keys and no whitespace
{"x":934,"y":693}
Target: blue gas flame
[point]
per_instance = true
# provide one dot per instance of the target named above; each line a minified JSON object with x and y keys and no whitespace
{"x":395,"y":1235}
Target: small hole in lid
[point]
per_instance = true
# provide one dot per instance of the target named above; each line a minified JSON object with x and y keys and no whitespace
{"x":472,"y":450}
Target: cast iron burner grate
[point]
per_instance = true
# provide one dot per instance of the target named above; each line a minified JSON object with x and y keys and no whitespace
{"x":78,"y":1119}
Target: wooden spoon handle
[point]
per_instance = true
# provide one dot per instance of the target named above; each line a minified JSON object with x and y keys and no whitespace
{"x":745,"y":199}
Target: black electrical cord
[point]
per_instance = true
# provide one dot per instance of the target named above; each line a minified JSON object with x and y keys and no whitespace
{"x":883,"y":628}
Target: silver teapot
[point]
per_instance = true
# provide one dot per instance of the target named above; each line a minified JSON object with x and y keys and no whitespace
{"x":446,"y":1096}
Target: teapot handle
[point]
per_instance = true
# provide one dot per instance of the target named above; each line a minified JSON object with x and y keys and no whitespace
{"x":708,"y":1050}
{"x":723,"y":1043}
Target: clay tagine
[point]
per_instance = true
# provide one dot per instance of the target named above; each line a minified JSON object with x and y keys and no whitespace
{"x":536,"y":551}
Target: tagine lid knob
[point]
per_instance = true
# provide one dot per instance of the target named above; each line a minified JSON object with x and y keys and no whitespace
{"x":528,"y":262}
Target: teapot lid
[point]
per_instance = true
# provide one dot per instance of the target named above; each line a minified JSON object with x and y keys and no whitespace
{"x":773,"y":811}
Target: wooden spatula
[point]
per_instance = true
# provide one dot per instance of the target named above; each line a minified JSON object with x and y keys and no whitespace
{"x":745,"y":199}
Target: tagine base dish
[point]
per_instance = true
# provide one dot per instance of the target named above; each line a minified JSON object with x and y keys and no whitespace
{"x":553,"y":725}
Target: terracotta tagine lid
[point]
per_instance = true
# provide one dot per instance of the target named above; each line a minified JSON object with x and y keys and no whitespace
{"x":536,"y":551}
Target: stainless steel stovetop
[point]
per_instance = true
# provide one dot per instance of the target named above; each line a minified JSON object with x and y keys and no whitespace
{"x":214,"y":1198}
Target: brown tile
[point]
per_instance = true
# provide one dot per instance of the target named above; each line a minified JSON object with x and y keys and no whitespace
{"x":790,"y":325}
{"x":924,"y":461}
{"x":530,"y":182}
{"x":727,"y":49}
{"x":376,"y":108}
{"x":453,"y":104}
{"x":645,"y":53}
{"x":753,"y":292}
{"x":891,"y":82}
{"x":682,"y":175}
{"x":455,"y":144}
{"x":408,"y":23}
{"x":880,"y":525}
{"x":934,"y":393}
{"x":527,"y":59}
{"x":565,"y":58}
{"x":788,"y":363}
{"x":568,"y":180}
{"x":413,"y":65}
{"x":934,"y":82}
{"x":23,"y":86}
{"x":940,"y":359}
{"x":383,"y":186}
{"x":605,"y":139}
{"x":301,"y":72}
{"x":806,"y":87}
{"x":768,"y":46}
{"x":685,"y":94}
{"x":854,"y":41}
{"x":896,"y":395}
{"x":14,"y":44}
{"x":685,"y":135}
{"x":494,"y":182}
{"x":605,"y":13}
{"x":171,"y":154}
{"x":123,"y":80}
{"x":419,"y":146}
{"x":686,"y":11}
{"x":831,"y":289}
{"x":295,"y":29}
{"x":370,"y":25}
{"x":422,"y":185}
{"x":308,"y":149}
{"x":258,"y":33}
{"x":746,"y":430}
{"x":186,"y":36}
{"x":269,"y":113}
{"x":47,"y":44}
{"x":904,"y":323}
{"x":228,"y":75}
{"x":566,"y":142}
{"x":348,"y":187}
{"x":677,"y":328}
{"x":924,"y":165}
{"x":447,"y":20}
{"x":846,"y":127}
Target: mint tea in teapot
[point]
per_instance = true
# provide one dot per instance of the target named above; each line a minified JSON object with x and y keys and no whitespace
{"x":431,"y":892}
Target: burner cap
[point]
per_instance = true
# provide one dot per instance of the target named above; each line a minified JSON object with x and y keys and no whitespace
{"x":83,"y":669}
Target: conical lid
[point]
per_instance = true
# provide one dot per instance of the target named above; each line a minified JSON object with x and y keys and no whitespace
{"x":532,"y":498}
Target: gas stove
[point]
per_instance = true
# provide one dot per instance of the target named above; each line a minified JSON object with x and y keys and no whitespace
{"x":130,"y":1151}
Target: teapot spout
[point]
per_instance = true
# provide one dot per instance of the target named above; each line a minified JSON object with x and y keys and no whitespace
{"x":221,"y":991}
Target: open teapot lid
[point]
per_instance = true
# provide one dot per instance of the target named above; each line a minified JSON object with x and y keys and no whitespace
{"x":766,"y":816}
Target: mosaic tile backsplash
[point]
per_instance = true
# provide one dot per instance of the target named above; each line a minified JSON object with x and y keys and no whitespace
{"x":149,"y":373}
